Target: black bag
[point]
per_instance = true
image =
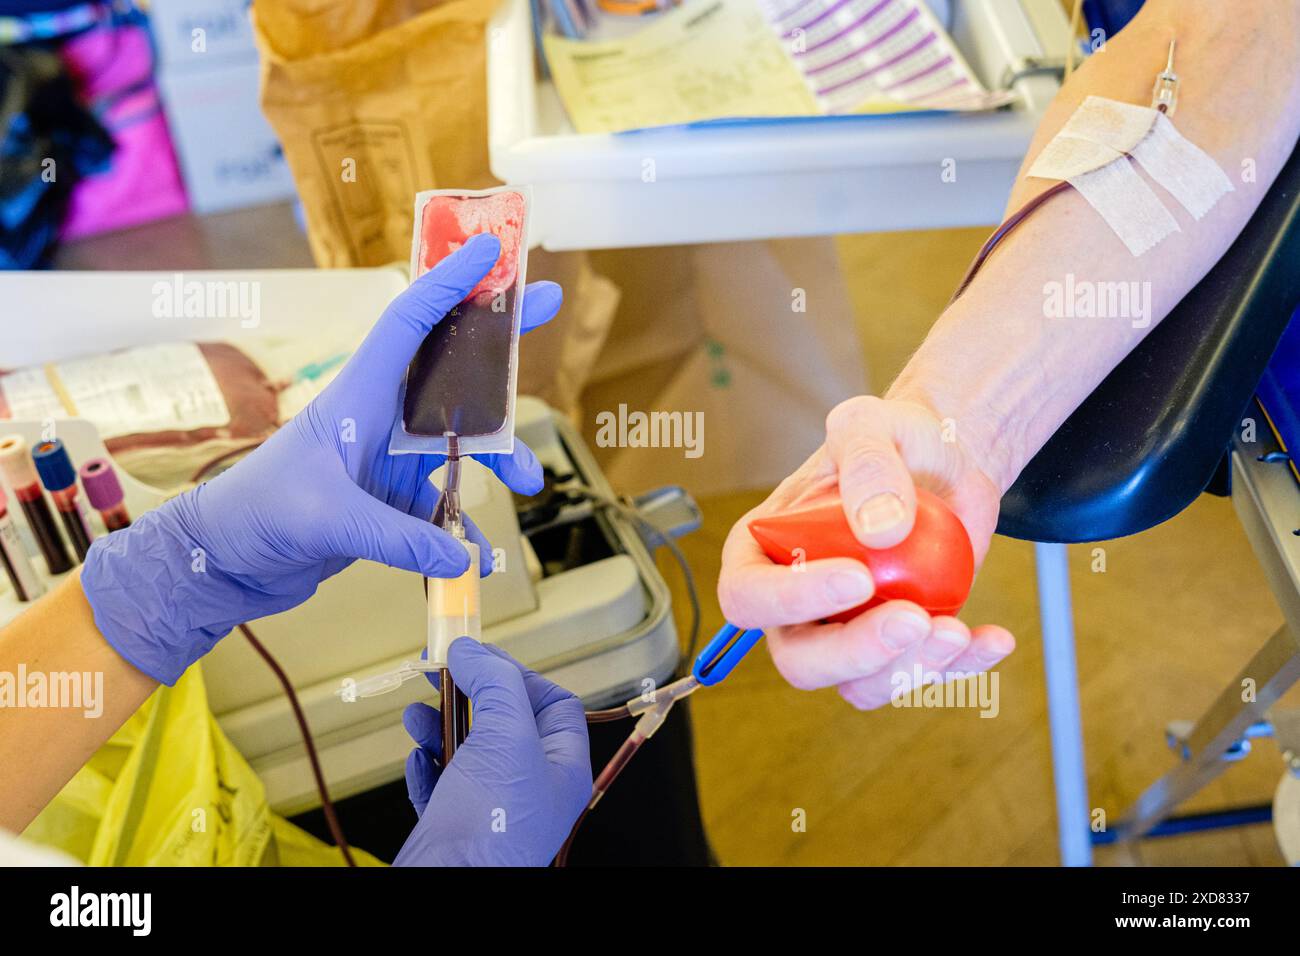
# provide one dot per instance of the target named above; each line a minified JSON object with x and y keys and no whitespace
{"x":48,"y":142}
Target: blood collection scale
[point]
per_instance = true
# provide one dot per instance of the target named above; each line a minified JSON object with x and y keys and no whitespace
{"x":600,"y":628}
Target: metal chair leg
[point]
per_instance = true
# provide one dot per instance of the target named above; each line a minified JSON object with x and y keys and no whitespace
{"x":1272,"y":671}
{"x":1068,"y":767}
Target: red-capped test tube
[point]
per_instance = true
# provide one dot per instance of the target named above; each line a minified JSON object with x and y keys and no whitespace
{"x":13,"y":556}
{"x":17,"y":468}
{"x":60,"y":480}
{"x":104,"y":492}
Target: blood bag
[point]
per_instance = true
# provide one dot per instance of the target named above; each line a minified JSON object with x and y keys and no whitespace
{"x":462,"y":379}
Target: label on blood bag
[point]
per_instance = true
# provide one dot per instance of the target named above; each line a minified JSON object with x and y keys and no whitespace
{"x":152,"y":388}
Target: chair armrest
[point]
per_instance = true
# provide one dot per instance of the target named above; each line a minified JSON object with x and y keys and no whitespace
{"x":1148,"y":440}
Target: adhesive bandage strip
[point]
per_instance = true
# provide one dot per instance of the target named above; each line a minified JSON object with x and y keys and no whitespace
{"x":1182,"y":167}
{"x":1066,"y":157}
{"x":1121,"y":126}
{"x":1129,"y":206}
{"x":1087,"y":154}
{"x":1099,"y":132}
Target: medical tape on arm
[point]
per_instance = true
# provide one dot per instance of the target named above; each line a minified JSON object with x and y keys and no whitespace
{"x":1182,"y":168}
{"x":1088,"y":153}
{"x":1129,"y":206}
{"x":1121,"y":126}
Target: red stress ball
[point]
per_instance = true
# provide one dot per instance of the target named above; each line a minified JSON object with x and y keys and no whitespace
{"x":934,"y":566}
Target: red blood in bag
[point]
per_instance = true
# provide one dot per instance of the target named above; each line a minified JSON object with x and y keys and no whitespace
{"x":447,"y":222}
{"x":934,"y":566}
{"x":460,"y":379}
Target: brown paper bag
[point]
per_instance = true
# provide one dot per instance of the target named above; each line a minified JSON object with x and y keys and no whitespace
{"x":373,"y":101}
{"x":556,"y":361}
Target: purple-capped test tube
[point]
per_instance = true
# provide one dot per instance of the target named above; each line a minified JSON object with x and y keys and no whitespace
{"x":104,"y":492}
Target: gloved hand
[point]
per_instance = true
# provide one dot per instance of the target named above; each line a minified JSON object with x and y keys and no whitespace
{"x":318,"y":494}
{"x":513,"y":790}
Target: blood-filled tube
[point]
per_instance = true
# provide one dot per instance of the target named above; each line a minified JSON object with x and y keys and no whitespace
{"x":13,"y":556}
{"x":453,"y":608}
{"x":104,"y":492}
{"x":60,"y":479}
{"x":17,"y":468}
{"x":453,"y":612}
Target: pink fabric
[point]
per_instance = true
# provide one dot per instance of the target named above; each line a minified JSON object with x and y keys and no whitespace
{"x":113,"y":70}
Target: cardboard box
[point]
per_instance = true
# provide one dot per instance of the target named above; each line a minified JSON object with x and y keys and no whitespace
{"x":201,"y":34}
{"x":747,"y":345}
{"x":229,"y":154}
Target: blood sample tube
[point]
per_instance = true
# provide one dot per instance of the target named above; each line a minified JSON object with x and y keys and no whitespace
{"x":60,"y":480}
{"x":453,"y":607}
{"x":453,"y":612}
{"x":16,"y":466}
{"x":13,"y":556}
{"x":104,"y":492}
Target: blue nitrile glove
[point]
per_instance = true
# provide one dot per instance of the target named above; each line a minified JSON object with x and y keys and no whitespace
{"x":516,"y":785}
{"x":318,"y":494}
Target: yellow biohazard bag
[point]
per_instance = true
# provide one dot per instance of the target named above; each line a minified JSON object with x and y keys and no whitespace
{"x":168,"y":789}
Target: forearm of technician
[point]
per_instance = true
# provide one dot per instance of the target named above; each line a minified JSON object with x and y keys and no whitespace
{"x":44,"y":738}
{"x":999,"y":362}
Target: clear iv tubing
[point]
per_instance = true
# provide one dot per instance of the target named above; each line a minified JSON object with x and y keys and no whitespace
{"x":1163,"y":98}
{"x":653,"y":710}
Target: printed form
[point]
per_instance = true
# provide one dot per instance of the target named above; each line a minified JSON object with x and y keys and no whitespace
{"x":718,"y":59}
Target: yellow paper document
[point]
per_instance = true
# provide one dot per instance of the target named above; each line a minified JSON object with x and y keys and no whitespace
{"x":716,"y":59}
{"x":720,"y":59}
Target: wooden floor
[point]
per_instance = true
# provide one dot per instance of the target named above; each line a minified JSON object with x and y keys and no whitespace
{"x":1176,"y":613}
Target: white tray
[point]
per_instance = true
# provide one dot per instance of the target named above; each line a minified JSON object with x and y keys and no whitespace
{"x":867,"y":174}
